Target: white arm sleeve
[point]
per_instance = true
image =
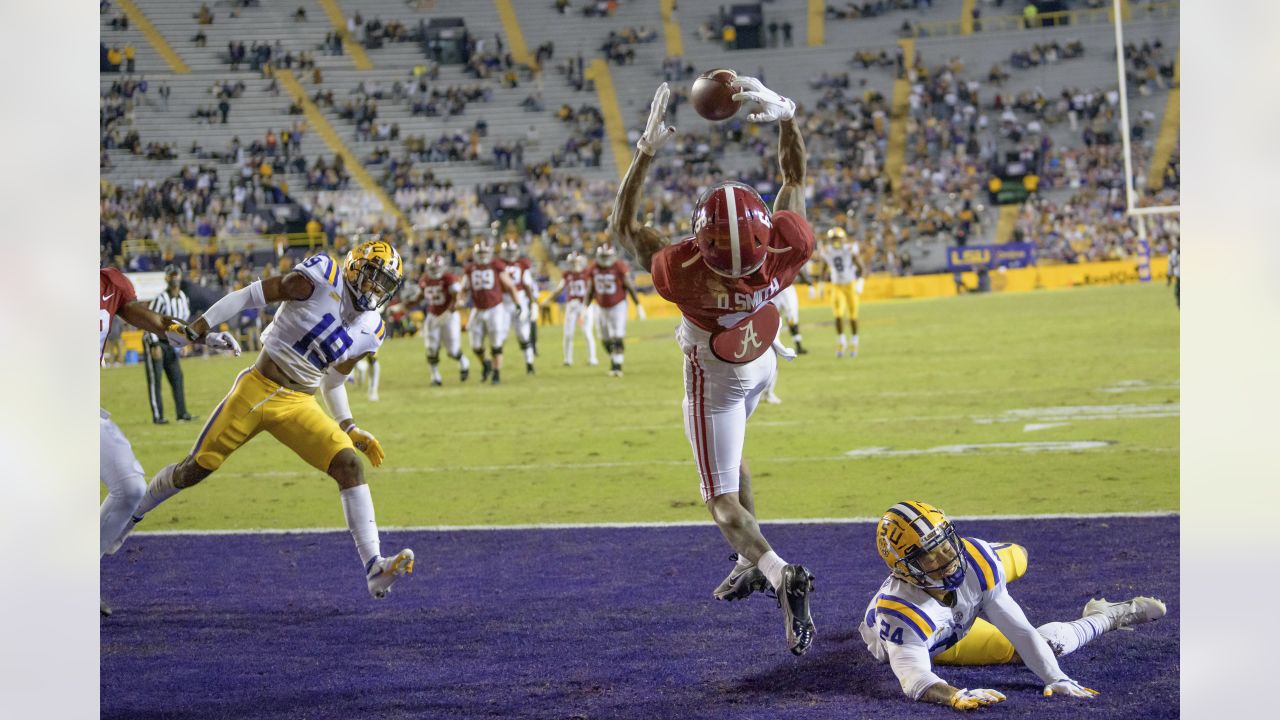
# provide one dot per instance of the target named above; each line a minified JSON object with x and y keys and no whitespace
{"x":913,"y":667}
{"x":334,"y":389}
{"x":232,"y":303}
{"x":1005,"y":613}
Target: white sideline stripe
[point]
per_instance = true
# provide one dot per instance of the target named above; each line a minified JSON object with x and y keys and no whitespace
{"x":654,"y":524}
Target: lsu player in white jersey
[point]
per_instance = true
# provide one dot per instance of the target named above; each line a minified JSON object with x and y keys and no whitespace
{"x":440,"y":290}
{"x":577,"y":312}
{"x":520,"y":308}
{"x":927,"y":612}
{"x":328,"y":320}
{"x":847,"y":273}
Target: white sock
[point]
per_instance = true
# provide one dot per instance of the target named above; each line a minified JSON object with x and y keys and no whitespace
{"x":160,"y":488}
{"x":357,"y":505}
{"x":855,"y":342}
{"x":464,"y":362}
{"x":1067,"y":637}
{"x":117,"y":509}
{"x":797,"y":338}
{"x":771,"y":565}
{"x":844,"y":342}
{"x":373,"y":378}
{"x":743,"y":561}
{"x":435,"y":371}
{"x":528,"y":355}
{"x":615,"y":357}
{"x":568,"y":348}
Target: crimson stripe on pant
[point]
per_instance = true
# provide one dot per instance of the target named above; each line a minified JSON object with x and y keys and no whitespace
{"x":700,"y":426}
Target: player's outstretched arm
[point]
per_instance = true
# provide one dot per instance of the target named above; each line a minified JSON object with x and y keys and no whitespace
{"x":142,"y":317}
{"x":912,"y":666}
{"x":641,"y":241}
{"x":791,"y":153}
{"x":1006,"y":614}
{"x":334,"y":389}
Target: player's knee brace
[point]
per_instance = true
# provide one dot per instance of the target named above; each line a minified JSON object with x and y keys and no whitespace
{"x":456,"y":356}
{"x":497,"y":352}
{"x":433,"y":358}
{"x":618,"y":345}
{"x":524,"y":344}
{"x":795,"y":329}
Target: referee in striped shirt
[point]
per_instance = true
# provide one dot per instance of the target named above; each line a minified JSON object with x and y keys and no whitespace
{"x":161,"y":355}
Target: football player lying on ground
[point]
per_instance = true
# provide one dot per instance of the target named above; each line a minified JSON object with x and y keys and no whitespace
{"x":328,"y":321}
{"x":722,"y":278}
{"x":926,"y":612}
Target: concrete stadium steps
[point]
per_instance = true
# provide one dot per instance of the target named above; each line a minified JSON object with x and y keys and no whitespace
{"x":146,"y":60}
{"x":268,"y":22}
{"x":481,"y":18}
{"x":251,"y":116}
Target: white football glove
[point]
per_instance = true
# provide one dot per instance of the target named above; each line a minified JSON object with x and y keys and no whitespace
{"x":222,"y":341}
{"x":773,"y":106}
{"x":859,"y":284}
{"x":656,"y":133}
{"x":639,"y":312}
{"x":783,"y":351}
{"x":973,"y":699}
{"x":1068,"y":687}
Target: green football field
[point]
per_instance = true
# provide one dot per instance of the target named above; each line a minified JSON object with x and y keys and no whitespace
{"x":1045,"y":402}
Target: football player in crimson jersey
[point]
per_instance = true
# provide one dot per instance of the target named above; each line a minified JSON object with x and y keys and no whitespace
{"x":327,"y":322}
{"x":440,"y":290}
{"x":519,"y":271}
{"x":118,"y":469}
{"x":574,"y":282}
{"x":609,"y":284}
{"x":722,"y":278}
{"x":486,"y":283}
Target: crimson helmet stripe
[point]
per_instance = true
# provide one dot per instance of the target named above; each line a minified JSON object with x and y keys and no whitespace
{"x":735,"y":246}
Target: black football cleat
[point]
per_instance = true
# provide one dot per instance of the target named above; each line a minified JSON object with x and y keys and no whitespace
{"x":741,"y":582}
{"x":463,"y":373}
{"x":793,"y":598}
{"x":488,"y":370}
{"x":436,"y":383}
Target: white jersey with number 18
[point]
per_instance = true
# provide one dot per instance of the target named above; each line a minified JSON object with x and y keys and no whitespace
{"x":308,"y":336}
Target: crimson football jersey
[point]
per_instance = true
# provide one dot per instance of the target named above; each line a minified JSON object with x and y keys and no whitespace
{"x":515,"y":271}
{"x":609,"y":283}
{"x":439,"y":293}
{"x":680,"y":276}
{"x":486,"y":289}
{"x":117,"y":292}
{"x":575,"y":285}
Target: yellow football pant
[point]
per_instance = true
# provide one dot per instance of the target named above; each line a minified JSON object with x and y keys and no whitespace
{"x":844,"y":301}
{"x":256,"y":404}
{"x":985,"y":645}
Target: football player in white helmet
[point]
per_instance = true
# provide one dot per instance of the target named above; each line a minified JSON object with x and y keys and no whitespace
{"x":328,"y":320}
{"x":927,"y":611}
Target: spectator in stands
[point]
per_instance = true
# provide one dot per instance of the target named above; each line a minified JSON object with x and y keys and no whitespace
{"x":300,"y":15}
{"x":204,"y":16}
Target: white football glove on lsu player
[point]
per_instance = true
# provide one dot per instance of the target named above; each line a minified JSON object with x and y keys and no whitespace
{"x":656,"y":132}
{"x":1068,"y":687}
{"x":973,"y":699}
{"x":773,"y":106}
{"x":178,"y":336}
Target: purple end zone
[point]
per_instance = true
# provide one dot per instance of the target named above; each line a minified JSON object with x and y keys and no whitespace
{"x":588,"y":623}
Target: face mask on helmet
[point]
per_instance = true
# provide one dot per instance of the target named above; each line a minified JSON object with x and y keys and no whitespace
{"x":577,"y":263}
{"x":482,"y":253}
{"x":373,"y":275}
{"x":732,"y":226}
{"x":510,"y":251}
{"x":435,"y":267}
{"x":605,"y":255}
{"x":920,"y":546}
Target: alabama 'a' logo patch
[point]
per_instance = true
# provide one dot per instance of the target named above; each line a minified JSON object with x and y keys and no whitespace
{"x":749,"y":339}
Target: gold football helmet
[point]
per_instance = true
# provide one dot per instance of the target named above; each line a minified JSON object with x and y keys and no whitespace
{"x":837,"y":235}
{"x":373,"y":272}
{"x":920,"y":546}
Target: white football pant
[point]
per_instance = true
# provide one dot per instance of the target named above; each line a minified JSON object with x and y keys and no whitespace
{"x":491,"y":323}
{"x":718,"y":399}
{"x":121,"y":472}
{"x":575,"y":313}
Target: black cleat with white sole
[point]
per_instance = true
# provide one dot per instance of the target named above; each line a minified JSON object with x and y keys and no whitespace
{"x":793,"y":598}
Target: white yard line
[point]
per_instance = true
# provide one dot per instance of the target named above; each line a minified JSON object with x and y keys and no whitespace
{"x":623,"y":525}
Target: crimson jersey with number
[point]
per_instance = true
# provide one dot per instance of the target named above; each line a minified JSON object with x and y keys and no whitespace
{"x":515,"y":271}
{"x":440,"y":292}
{"x":575,"y":285}
{"x":680,"y":276}
{"x":116,"y":292}
{"x":486,"y":289}
{"x":609,"y":283}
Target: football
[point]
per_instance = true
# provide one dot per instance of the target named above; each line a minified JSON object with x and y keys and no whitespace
{"x":712,"y":96}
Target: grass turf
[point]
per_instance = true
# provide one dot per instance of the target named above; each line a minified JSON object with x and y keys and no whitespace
{"x":574,"y":445}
